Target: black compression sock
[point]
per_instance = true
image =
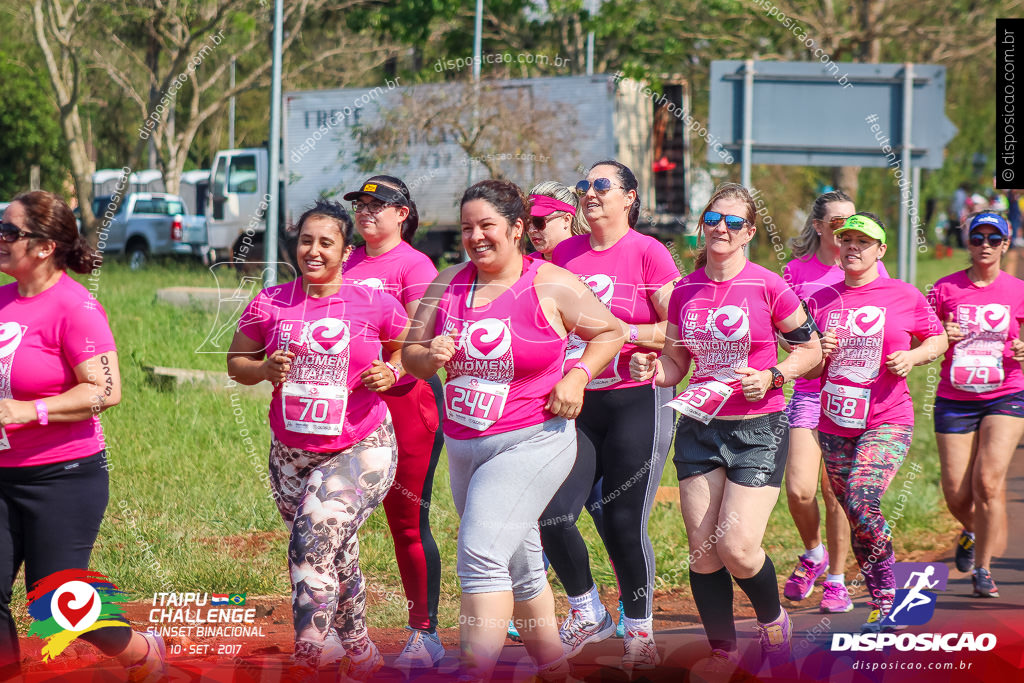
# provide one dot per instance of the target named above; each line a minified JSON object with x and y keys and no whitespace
{"x":763,"y":590}
{"x":713,"y":595}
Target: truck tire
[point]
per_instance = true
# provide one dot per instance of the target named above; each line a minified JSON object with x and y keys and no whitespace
{"x":137,"y":253}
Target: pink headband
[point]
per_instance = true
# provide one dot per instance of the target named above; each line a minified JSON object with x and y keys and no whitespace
{"x":544,"y":205}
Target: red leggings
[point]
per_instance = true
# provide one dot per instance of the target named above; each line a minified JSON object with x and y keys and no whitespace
{"x":414,"y":411}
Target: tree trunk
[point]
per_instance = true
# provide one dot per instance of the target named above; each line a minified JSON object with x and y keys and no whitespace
{"x":845,"y":178}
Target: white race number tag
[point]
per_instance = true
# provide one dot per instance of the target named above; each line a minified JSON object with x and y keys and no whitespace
{"x":474,"y":402}
{"x":313,"y":408}
{"x":846,"y":406}
{"x":702,"y":401}
{"x":976,"y":374}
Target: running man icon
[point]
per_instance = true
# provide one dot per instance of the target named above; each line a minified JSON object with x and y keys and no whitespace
{"x":914,"y":597}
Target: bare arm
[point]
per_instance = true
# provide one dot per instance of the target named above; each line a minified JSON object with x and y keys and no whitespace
{"x":670,"y":368}
{"x":652,"y":335}
{"x":802,"y":359}
{"x":578,"y":311}
{"x":248,"y":363}
{"x":424,"y":354}
{"x":98,"y":388}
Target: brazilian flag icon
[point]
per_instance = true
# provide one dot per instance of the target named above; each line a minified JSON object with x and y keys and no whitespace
{"x":237,"y":599}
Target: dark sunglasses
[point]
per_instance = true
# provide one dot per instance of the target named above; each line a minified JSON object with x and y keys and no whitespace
{"x":601,"y":185}
{"x":712,"y":218}
{"x":541,"y":222}
{"x":836,"y":222}
{"x":9,"y":232}
{"x":978,"y":239}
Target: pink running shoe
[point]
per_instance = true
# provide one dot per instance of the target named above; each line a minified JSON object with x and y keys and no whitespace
{"x":836,"y":598}
{"x":800,"y":583}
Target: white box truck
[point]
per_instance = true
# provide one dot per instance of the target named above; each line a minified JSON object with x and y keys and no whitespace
{"x":596,"y":117}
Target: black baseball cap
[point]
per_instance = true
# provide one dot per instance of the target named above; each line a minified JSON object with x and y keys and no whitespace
{"x":382,"y":188}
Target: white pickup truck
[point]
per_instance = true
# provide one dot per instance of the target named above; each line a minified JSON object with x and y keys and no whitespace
{"x":150,"y":224}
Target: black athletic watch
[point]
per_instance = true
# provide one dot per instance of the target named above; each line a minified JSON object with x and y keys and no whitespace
{"x":777,"y":379}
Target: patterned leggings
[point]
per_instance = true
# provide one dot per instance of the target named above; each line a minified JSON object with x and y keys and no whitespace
{"x":324,"y":498}
{"x":860,"y":469}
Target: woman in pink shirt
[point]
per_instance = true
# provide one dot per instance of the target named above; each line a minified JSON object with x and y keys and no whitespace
{"x":333,"y":453}
{"x":498,"y":326}
{"x":867,"y":417}
{"x":731,"y":442}
{"x":624,"y":430}
{"x":554,"y":217}
{"x":980,"y":399}
{"x":387,"y":219}
{"x":58,"y":372}
{"x":815,"y":265}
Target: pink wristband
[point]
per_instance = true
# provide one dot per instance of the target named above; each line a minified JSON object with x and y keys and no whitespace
{"x":42,"y":414}
{"x":393,"y":368}
{"x":634,"y":334}
{"x":583,"y":366}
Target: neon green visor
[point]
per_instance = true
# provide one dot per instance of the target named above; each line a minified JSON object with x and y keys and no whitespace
{"x":864,"y":225}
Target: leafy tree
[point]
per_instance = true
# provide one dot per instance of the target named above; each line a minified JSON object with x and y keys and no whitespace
{"x":29,"y":132}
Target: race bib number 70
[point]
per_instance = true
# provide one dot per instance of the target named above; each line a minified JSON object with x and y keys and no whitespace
{"x":313,"y":408}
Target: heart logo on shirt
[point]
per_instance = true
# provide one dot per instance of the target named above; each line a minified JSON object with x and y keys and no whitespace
{"x":994,"y":318}
{"x":328,"y":335}
{"x":867,"y":321}
{"x":372,"y":282}
{"x":602,"y":286}
{"x":10,"y":337}
{"x":488,"y":339}
{"x":729,"y":323}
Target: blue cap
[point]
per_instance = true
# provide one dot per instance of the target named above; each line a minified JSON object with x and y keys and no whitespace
{"x":993,"y":219}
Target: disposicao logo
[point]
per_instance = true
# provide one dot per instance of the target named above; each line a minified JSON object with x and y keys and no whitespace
{"x":913,"y":605}
{"x":71,"y":602}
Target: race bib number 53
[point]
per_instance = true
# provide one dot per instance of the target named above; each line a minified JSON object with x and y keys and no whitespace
{"x":702,"y":401}
{"x":474,"y":402}
{"x":846,"y":406}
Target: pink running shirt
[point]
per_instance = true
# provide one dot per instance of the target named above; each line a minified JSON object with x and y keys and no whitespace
{"x":806,"y":276}
{"x":42,"y":339}
{"x":725,"y":326}
{"x":980,"y":366}
{"x":624,"y":277}
{"x":403,"y":272}
{"x":507,"y":357}
{"x":323,"y":406}
{"x":872,"y":321}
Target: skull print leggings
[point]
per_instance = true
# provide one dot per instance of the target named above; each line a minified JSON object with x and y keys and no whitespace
{"x":324,"y":498}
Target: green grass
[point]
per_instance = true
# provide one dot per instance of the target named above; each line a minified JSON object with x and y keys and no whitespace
{"x":189,"y":511}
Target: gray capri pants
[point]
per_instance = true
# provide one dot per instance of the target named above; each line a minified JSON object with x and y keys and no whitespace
{"x":501,"y":484}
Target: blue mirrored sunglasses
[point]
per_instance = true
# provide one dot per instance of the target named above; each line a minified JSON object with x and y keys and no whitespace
{"x":601,"y":185}
{"x":711,"y":219}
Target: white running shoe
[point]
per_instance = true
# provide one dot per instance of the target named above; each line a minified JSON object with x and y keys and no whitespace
{"x":576,"y":632}
{"x":641,"y":654}
{"x":422,"y":651}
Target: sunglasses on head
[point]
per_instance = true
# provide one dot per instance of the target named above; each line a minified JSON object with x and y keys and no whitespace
{"x":712,"y":218}
{"x":994,"y":239}
{"x":9,"y":232}
{"x":601,"y":185}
